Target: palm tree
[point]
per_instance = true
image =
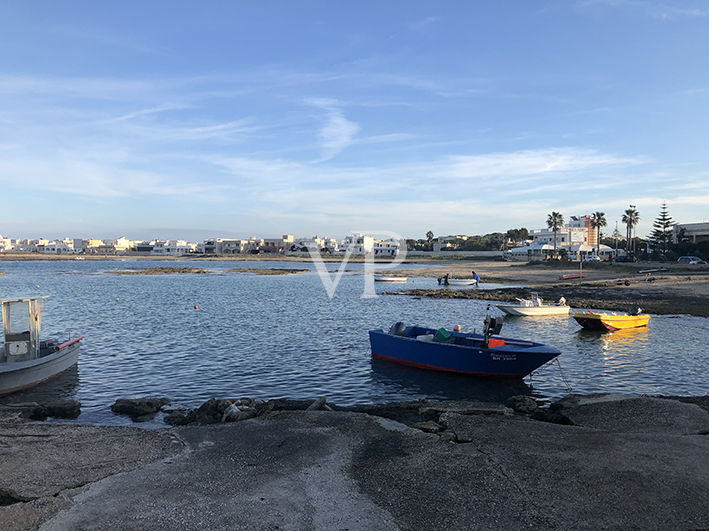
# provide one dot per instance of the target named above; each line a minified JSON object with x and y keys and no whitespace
{"x":598,"y":220}
{"x":630,"y":218}
{"x":555,"y":221}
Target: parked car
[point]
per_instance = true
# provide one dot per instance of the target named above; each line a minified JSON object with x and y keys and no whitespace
{"x":690,"y":260}
{"x":592,"y":258}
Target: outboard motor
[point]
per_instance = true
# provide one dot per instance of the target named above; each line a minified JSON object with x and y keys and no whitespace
{"x":636,"y":311}
{"x":397,"y":329}
{"x":491,"y":327}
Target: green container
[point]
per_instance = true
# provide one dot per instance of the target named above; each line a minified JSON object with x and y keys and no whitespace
{"x":442,"y":335}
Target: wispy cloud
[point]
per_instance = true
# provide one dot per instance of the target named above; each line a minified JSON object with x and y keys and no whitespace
{"x":147,"y":112}
{"x":420,"y":24}
{"x":657,"y":10}
{"x":337,"y":133}
{"x":532,"y":162}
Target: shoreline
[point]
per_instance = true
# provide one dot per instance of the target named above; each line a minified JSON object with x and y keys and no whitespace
{"x":672,"y":298}
{"x":404,"y":465}
{"x":28,"y":257}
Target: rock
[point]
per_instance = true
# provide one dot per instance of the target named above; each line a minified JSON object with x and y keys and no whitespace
{"x":216,"y":410}
{"x":434,"y":410}
{"x":428,"y":426}
{"x":522,"y":404}
{"x":36,"y":412}
{"x":265,"y":409}
{"x":139,"y":409}
{"x":287,"y":404}
{"x":63,"y":409}
{"x":553,"y":415}
{"x":210,"y":412}
{"x":232,"y":409}
{"x":448,"y":436}
{"x":319,"y":405}
{"x":177,"y":418}
{"x":634,"y":414}
{"x":235,"y":413}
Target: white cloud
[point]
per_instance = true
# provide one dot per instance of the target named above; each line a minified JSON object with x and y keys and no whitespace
{"x":337,"y":133}
{"x":530,"y":163}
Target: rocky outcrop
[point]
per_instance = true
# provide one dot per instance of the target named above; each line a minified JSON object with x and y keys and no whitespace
{"x":60,"y":409}
{"x":215,"y":410}
{"x":633,"y":414}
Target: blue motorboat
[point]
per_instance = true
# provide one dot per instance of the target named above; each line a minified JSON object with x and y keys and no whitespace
{"x":484,"y":354}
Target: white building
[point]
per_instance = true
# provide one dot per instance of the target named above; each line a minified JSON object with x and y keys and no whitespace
{"x":358,"y":244}
{"x":577,"y":240}
{"x":695,"y":232}
{"x":390,"y":247}
{"x":172,"y":247}
{"x":57,"y":247}
{"x":6,"y":245}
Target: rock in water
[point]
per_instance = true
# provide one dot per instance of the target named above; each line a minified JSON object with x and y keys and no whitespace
{"x":63,"y":409}
{"x":139,"y":409}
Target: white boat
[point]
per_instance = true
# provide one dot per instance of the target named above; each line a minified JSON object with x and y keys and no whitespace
{"x":26,"y":361}
{"x":446,"y":281}
{"x":535,"y":306}
{"x":389,"y":278}
{"x":462,"y":282}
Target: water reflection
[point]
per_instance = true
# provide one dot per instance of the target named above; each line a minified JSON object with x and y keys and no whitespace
{"x":62,"y":386}
{"x":444,"y":386}
{"x":625,"y":340}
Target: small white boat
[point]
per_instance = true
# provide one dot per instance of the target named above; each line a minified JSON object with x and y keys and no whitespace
{"x":26,"y":361}
{"x":445,"y":281}
{"x":462,"y":282}
{"x":535,"y":306}
{"x":389,"y":278}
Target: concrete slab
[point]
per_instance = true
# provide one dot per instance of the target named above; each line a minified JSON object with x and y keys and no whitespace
{"x":345,"y":470}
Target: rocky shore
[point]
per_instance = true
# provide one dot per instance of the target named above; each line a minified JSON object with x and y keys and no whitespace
{"x":584,"y":462}
{"x":659,"y":295}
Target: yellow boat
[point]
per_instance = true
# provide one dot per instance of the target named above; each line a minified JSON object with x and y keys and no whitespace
{"x":611,"y":321}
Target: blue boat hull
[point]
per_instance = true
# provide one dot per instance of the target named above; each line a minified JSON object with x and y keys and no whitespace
{"x":464,"y":353}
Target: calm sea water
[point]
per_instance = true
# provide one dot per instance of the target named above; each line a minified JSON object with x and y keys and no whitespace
{"x":281,"y":336}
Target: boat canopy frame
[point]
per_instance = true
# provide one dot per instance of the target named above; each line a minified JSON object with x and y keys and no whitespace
{"x":21,"y":323}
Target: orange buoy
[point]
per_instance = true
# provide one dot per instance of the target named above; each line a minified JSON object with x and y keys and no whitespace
{"x":456,"y":328}
{"x":195,"y":306}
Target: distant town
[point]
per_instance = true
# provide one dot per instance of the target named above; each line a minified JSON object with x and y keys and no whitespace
{"x":577,"y":239}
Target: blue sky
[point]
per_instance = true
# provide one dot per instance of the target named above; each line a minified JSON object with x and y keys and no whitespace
{"x":194,"y":119}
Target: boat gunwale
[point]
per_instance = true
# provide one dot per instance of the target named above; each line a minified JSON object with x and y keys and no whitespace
{"x":8,"y":367}
{"x":475,"y":337}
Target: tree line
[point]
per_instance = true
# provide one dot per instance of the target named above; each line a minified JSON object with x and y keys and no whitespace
{"x":659,"y":245}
